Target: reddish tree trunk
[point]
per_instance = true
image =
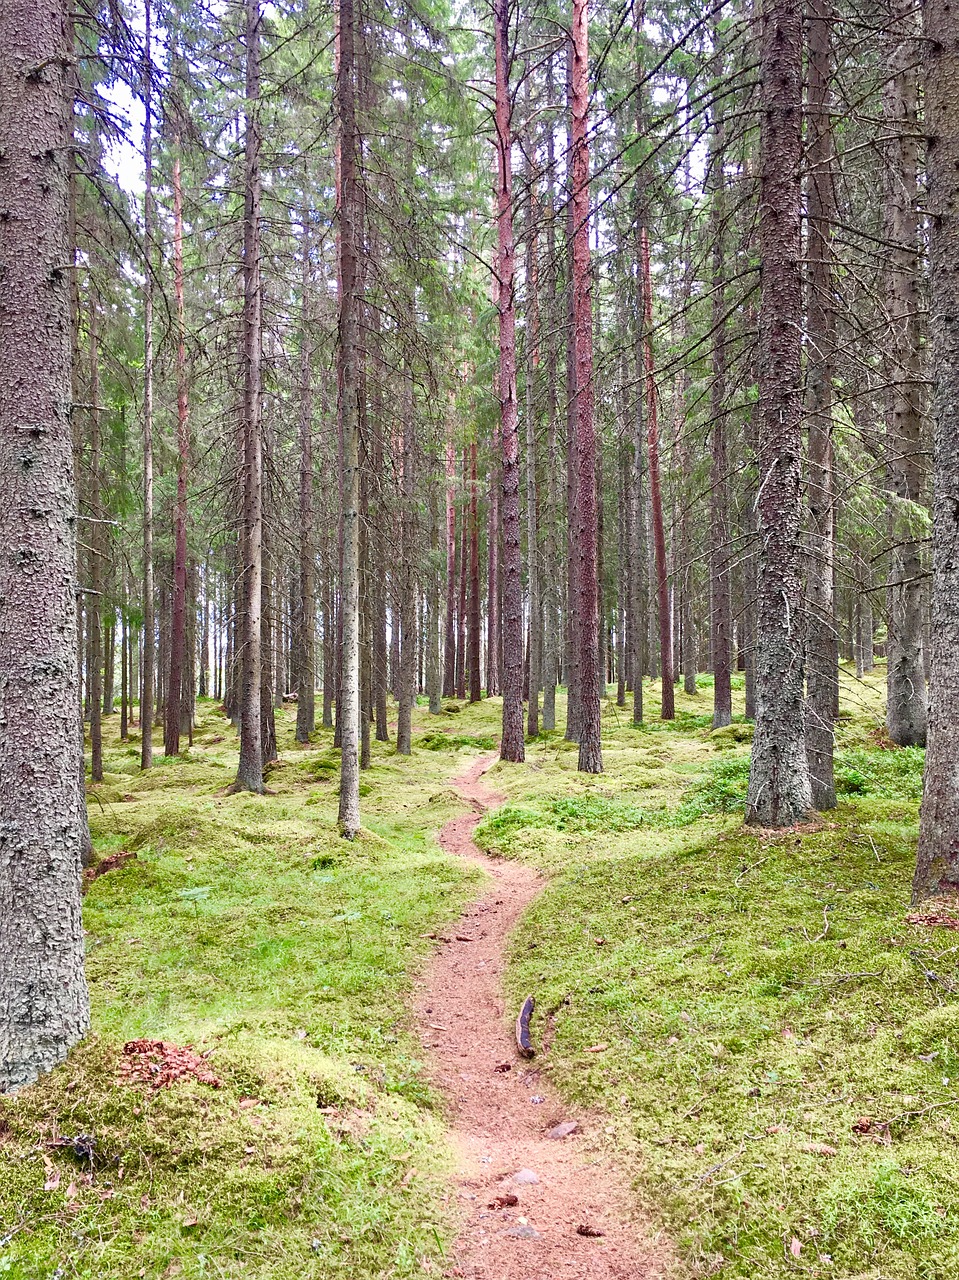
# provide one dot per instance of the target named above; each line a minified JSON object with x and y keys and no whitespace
{"x":449,"y":648}
{"x":473,"y":617}
{"x":656,"y":494}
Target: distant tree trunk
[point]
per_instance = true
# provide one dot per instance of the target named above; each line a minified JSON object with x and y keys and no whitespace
{"x":407,"y":584}
{"x":250,"y":587}
{"x":779,"y":793}
{"x":348,"y":703}
{"x":95,"y":606}
{"x":552,"y":577}
{"x":171,"y":735}
{"x":449,"y":647}
{"x":306,"y":605}
{"x":493,"y":583}
{"x":532,"y":499}
{"x":822,"y":649}
{"x":655,"y":494}
{"x":434,"y":672}
{"x":512,"y":746}
{"x":269,"y":673}
{"x":473,"y":614}
{"x":590,"y":740}
{"x":43,"y":996}
{"x":905,"y":680}
{"x":461,"y":603}
{"x":937,"y":865}
{"x":148,"y":666}
{"x":720,"y":577}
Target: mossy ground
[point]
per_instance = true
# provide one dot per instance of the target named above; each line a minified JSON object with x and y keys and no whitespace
{"x":781,"y":1047}
{"x":780,"y":1044}
{"x":246,"y":926}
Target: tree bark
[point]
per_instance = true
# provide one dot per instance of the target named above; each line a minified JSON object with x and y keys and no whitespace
{"x":43,"y":996}
{"x":306,"y":604}
{"x":779,"y":793}
{"x":668,"y":710}
{"x":148,"y":666}
{"x":250,"y":587}
{"x":512,"y":746}
{"x":822,"y":649}
{"x":906,"y":714}
{"x":590,"y":739}
{"x":348,"y":702}
{"x":171,"y":735}
{"x":937,"y":865}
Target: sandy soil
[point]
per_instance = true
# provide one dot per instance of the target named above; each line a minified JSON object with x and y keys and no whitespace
{"x":537,"y":1207}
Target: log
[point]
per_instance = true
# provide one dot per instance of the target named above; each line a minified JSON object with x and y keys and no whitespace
{"x":524,"y":1042}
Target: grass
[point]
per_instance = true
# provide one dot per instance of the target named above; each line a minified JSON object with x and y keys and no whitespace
{"x":780,"y":1060}
{"x":246,"y":927}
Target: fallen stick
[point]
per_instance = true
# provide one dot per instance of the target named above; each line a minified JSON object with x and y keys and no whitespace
{"x":524,"y":1041}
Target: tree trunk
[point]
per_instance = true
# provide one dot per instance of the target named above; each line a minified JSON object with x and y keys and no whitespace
{"x":407,"y":584}
{"x":720,"y":577}
{"x":171,"y":735}
{"x":473,"y":614}
{"x":905,"y":679}
{"x":43,"y":997}
{"x":449,"y":646}
{"x":250,"y":587}
{"x":532,"y":500}
{"x":95,"y":605}
{"x":348,"y":702}
{"x":306,"y":604}
{"x":937,"y":865}
{"x":779,"y":793}
{"x":148,"y":666}
{"x":512,"y":746}
{"x":590,"y":740}
{"x":822,"y":650}
{"x":668,"y":711}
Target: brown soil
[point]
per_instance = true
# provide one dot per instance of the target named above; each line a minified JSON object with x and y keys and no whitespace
{"x":574,"y":1222}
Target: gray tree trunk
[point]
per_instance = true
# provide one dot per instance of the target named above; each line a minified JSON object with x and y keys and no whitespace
{"x":779,"y":792}
{"x":905,"y":679}
{"x":937,"y":866}
{"x":43,"y":827}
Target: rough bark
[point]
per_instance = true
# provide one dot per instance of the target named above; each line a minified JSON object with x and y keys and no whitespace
{"x":148,"y":666}
{"x":449,"y":644}
{"x":250,"y":587}
{"x":590,"y":740}
{"x":779,"y":792}
{"x":306,"y":604}
{"x":937,"y":866}
{"x":43,"y":996}
{"x":720,"y":577}
{"x":348,"y":701}
{"x":171,"y":734}
{"x":473,"y":606}
{"x":822,"y":648}
{"x":905,"y":680}
{"x":668,"y":711}
{"x":512,"y":746}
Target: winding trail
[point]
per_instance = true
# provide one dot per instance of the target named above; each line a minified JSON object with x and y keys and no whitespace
{"x":501,"y":1115}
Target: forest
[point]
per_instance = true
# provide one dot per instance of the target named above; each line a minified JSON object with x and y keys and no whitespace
{"x":479,"y":639}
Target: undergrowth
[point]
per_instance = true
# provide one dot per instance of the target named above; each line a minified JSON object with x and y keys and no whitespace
{"x":246,"y":927}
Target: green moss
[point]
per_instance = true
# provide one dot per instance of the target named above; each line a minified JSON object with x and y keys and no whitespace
{"x":246,"y":927}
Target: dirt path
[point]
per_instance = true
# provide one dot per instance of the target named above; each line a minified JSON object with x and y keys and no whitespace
{"x":519,"y":1227}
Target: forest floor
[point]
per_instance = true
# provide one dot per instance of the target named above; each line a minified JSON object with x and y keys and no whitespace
{"x":746,"y":1023}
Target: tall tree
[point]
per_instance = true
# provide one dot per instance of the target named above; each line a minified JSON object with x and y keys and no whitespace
{"x":905,"y":674}
{"x":348,"y":704}
{"x":779,"y":792}
{"x":148,"y":673}
{"x":822,"y":645}
{"x":587,"y":577}
{"x":937,"y":867}
{"x":512,"y":745}
{"x":43,"y":996}
{"x":250,"y":772}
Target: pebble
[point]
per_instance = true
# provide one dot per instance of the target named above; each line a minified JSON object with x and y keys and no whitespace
{"x":525,"y":1176}
{"x":564,"y":1130}
{"x":525,"y":1233}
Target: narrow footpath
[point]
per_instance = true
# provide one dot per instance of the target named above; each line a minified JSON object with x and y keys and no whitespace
{"x":538,"y":1207}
